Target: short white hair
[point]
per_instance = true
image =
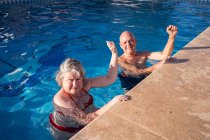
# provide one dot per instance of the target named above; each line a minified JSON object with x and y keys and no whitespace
{"x":69,"y":65}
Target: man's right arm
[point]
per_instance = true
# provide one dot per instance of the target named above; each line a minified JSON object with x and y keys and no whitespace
{"x":138,"y":71}
{"x":132,"y":68}
{"x":156,"y":66}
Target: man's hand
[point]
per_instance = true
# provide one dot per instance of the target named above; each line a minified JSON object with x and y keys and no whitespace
{"x":172,"y":31}
{"x":119,"y":98}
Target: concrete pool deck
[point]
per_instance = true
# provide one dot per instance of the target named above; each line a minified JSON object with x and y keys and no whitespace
{"x":172,"y":103}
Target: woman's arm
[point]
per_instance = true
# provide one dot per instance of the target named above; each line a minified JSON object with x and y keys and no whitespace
{"x":73,"y":112}
{"x":76,"y":114}
{"x":111,"y":76}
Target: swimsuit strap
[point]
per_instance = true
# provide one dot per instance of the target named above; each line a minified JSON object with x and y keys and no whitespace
{"x":71,"y":97}
{"x":85,"y":90}
{"x":90,"y":102}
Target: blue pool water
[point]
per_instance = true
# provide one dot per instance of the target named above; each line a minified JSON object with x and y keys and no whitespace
{"x":36,"y":36}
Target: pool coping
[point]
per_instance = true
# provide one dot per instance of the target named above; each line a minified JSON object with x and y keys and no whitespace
{"x":171,"y":103}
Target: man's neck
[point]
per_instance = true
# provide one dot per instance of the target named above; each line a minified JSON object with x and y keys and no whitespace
{"x":130,"y":55}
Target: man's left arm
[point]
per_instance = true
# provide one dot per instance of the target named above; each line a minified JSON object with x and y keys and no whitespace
{"x":167,"y":51}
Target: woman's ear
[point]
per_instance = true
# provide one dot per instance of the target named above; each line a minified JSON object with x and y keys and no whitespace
{"x":84,"y":79}
{"x":61,"y":80}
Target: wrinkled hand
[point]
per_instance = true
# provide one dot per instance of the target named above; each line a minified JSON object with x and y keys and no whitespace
{"x":170,"y":59}
{"x":172,"y":30}
{"x":119,"y":98}
{"x":111,"y":46}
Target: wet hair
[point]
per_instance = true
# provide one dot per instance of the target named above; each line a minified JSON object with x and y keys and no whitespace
{"x":69,"y":65}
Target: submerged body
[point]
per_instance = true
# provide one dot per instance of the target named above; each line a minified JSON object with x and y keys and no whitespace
{"x":133,"y":63}
{"x":62,"y":118}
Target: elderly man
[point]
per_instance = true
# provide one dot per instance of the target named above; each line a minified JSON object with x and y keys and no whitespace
{"x":133,"y":63}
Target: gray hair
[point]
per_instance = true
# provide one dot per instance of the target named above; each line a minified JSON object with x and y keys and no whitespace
{"x":69,"y":65}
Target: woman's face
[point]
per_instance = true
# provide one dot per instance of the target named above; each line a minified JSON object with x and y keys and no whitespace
{"x":72,"y":82}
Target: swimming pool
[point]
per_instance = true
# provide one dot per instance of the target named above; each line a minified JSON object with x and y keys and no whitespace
{"x":35,"y":37}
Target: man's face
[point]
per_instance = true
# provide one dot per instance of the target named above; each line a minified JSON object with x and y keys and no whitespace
{"x":128,"y":43}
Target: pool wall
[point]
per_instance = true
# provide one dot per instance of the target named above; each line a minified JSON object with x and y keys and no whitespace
{"x":172,"y":103}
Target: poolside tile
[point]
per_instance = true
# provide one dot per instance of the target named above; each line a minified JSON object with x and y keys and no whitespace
{"x":112,"y":126}
{"x":171,"y":103}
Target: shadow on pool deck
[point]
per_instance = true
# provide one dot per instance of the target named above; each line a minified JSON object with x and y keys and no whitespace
{"x":171,"y":103}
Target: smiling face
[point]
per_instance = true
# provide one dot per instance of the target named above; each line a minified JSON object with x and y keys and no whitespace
{"x":128,"y":43}
{"x":72,"y":82}
{"x":71,"y":76}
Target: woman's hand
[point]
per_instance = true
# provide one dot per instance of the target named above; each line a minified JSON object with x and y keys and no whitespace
{"x":111,"y":46}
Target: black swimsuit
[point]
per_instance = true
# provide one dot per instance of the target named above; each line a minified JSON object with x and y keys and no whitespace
{"x":130,"y":81}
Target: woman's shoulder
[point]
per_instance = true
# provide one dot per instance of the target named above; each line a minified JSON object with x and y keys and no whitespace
{"x":62,"y":100}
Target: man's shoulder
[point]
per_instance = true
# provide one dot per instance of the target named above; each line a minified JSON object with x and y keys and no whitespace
{"x":121,"y":58}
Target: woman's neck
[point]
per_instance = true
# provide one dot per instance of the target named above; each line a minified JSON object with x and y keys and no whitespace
{"x":74,"y":95}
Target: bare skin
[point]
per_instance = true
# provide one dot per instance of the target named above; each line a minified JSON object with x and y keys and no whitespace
{"x":133,"y":62}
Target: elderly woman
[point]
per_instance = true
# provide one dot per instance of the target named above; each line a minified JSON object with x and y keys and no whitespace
{"x":73,"y":104}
